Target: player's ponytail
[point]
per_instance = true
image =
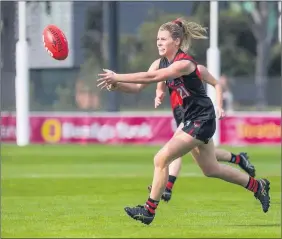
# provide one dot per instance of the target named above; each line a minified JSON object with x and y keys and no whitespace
{"x":185,"y":31}
{"x":191,"y":30}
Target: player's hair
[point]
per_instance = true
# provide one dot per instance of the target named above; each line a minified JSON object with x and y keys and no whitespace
{"x":185,"y":31}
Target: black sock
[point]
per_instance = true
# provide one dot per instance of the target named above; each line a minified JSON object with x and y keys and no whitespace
{"x":235,"y":158}
{"x":171,"y":181}
{"x":152,"y":205}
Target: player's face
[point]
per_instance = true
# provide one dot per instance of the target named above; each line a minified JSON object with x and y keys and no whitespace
{"x":166,"y":45}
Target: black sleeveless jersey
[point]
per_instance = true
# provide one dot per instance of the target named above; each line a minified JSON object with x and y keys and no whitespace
{"x":188,"y":96}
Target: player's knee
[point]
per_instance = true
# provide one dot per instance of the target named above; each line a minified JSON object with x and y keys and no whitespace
{"x":160,"y":160}
{"x":212,"y":171}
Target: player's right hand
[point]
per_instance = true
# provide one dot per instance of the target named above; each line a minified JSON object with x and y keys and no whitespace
{"x":220,"y":113}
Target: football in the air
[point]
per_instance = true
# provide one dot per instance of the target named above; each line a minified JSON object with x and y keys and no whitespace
{"x":55,"y":42}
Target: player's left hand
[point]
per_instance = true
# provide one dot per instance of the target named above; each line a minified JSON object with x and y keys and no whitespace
{"x":220,"y":113}
{"x":159,"y":98}
{"x":106,"y":79}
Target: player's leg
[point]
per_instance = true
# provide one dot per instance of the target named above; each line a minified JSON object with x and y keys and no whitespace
{"x":205,"y":156}
{"x":174,"y":168}
{"x":242,"y":159}
{"x":221,"y":155}
{"x":180,"y":144}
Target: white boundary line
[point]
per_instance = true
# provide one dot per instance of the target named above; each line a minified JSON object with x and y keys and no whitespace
{"x":79,"y":175}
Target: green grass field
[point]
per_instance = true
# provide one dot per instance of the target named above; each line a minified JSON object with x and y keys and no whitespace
{"x":80,"y":191}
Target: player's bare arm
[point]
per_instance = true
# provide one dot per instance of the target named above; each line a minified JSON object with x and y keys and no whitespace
{"x":128,"y":87}
{"x":208,"y":78}
{"x":160,"y":93}
{"x":175,"y":70}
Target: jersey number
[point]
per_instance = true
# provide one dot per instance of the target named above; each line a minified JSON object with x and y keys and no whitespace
{"x":182,"y":92}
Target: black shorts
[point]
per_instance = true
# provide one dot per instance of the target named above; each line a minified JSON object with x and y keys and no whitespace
{"x":200,"y":129}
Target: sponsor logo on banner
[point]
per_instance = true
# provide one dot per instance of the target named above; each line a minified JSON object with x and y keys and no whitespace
{"x":247,"y":130}
{"x":51,"y":130}
{"x":259,"y":131}
{"x":105,"y":132}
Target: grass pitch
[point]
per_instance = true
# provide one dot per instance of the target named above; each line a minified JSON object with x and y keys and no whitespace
{"x":80,"y":192}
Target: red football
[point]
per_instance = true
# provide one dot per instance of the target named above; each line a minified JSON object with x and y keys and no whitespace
{"x":55,"y":42}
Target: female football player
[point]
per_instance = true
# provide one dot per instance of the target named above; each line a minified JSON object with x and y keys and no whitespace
{"x":188,"y":99}
{"x":240,"y":159}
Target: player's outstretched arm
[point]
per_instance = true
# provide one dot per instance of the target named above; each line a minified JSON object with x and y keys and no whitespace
{"x":129,"y":87}
{"x":175,"y":70}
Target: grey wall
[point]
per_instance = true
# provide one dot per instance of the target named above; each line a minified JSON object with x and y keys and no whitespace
{"x":8,"y":46}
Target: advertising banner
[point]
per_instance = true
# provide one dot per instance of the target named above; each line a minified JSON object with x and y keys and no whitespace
{"x":83,"y":130}
{"x":118,"y":129}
